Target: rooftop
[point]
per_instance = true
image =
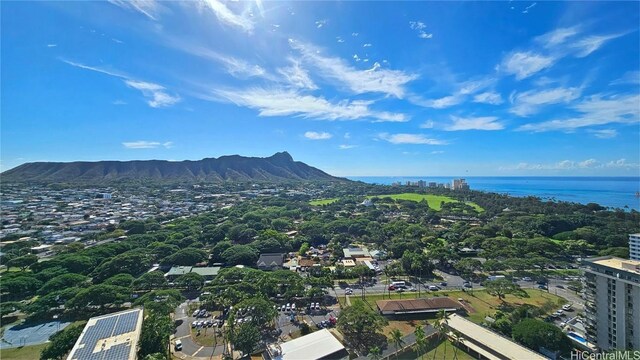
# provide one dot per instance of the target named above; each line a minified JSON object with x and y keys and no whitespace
{"x":417,"y":305}
{"x":316,"y":345}
{"x":179,"y":270}
{"x":206,"y":271}
{"x":480,"y":339}
{"x":112,"y":336}
{"x":617,"y":263}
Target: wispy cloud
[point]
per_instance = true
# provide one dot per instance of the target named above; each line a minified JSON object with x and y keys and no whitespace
{"x":367,"y":45}
{"x":574,"y":165}
{"x":52,"y":45}
{"x":628,"y":78}
{"x":119,"y":102}
{"x":156,"y":95}
{"x":531,"y":6}
{"x":557,"y":37}
{"x":488,"y":123}
{"x":297,"y":76}
{"x":142,"y":144}
{"x":286,"y":102}
{"x":313,"y":135}
{"x":589,"y":44}
{"x":228,"y":17}
{"x":418,"y":139}
{"x":427,"y":124}
{"x":523,"y":64}
{"x":489,"y":97}
{"x":390,"y":82}
{"x":420,"y":27}
{"x":320,"y":23}
{"x":604,"y":133}
{"x":437,"y":152}
{"x":462,"y":92}
{"x":339,"y":39}
{"x":148,"y":8}
{"x":528,"y":102}
{"x":595,"y":110}
{"x":347,"y":147}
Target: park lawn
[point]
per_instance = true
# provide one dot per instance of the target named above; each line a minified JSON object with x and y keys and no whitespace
{"x":321,"y":202}
{"x":206,"y":338}
{"x":434,"y":201}
{"x":22,"y":353}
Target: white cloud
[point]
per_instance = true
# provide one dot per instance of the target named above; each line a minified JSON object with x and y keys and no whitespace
{"x":410,"y":139}
{"x":630,"y":77}
{"x":557,"y":37}
{"x":52,"y":45}
{"x":427,"y":124}
{"x":296,"y":76}
{"x":474,"y":123}
{"x":240,"y":68}
{"x":528,"y":102}
{"x":286,"y":102}
{"x":566,"y":165}
{"x":117,"y":41}
{"x":339,"y":39}
{"x":347,"y":135}
{"x":156,"y":95}
{"x":523,"y":64}
{"x":354,"y":34}
{"x":390,"y":82}
{"x":604,"y":133}
{"x":589,"y":44}
{"x":489,"y":97}
{"x":228,"y":17}
{"x":119,"y":102}
{"x":595,"y":110}
{"x":436,"y":152}
{"x":463,"y":90}
{"x":346,"y":147}
{"x":367,"y":45}
{"x":312,"y":135}
{"x":148,"y":8}
{"x":356,"y":57}
{"x":419,"y":27}
{"x":531,"y":6}
{"x":320,"y":23}
{"x":142,"y":144}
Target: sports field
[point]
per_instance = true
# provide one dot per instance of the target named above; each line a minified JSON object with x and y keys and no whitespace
{"x":434,"y":201}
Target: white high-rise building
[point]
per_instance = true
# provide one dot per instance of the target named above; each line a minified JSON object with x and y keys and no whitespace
{"x":612,"y":302}
{"x":634,"y":246}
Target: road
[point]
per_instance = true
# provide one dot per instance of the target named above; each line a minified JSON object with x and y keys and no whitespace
{"x":183,"y":332}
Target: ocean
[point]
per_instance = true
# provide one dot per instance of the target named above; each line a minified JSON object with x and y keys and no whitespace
{"x":614,"y":192}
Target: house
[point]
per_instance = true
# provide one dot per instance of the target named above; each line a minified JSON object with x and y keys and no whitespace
{"x":177,"y":271}
{"x":418,"y":306}
{"x":208,"y":273}
{"x":270,"y":261}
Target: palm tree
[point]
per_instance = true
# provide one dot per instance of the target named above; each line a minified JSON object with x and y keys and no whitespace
{"x":396,"y":338}
{"x":421,"y":341}
{"x":375,"y":353}
{"x":458,"y":336}
{"x":442,"y":320}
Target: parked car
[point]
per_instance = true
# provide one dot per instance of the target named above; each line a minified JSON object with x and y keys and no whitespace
{"x":194,"y":324}
{"x":178,"y":345}
{"x":444,"y":283}
{"x":467,"y":285}
{"x":526,"y":278}
{"x":317,"y":306}
{"x":542,"y":287}
{"x":293,"y":307}
{"x":282,"y":308}
{"x":348,"y":291}
{"x":566,"y":307}
{"x":433,"y":288}
{"x":288,"y":307}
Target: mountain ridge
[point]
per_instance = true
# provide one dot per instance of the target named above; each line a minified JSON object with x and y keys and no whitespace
{"x":279,"y":166}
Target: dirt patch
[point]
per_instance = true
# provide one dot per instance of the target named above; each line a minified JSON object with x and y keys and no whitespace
{"x":405,"y":327}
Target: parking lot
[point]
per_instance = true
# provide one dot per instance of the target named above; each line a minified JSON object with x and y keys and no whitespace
{"x":289,"y":322}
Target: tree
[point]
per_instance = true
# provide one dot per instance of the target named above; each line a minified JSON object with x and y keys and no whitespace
{"x":502,"y":287}
{"x":240,"y":255}
{"x":61,"y":342}
{"x":303,"y":249}
{"x":23,"y":262}
{"x":360,"y":324}
{"x":441,"y":326}
{"x":155,"y":356}
{"x":185,"y":257}
{"x":190,"y":281}
{"x":62,"y":282}
{"x":262,"y":311}
{"x":154,"y":338}
{"x":151,"y":280}
{"x":533,"y":333}
{"x":7,"y":307}
{"x":99,"y":295}
{"x":124,"y":280}
{"x":396,"y":339}
{"x":421,"y":340}
{"x":375,"y":353}
{"x":133,"y":262}
{"x":246,"y":338}
{"x":19,"y":287}
{"x":160,"y":301}
{"x":467,"y":267}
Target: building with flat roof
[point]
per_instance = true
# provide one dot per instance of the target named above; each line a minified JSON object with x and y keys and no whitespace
{"x":111,"y":336}
{"x":177,"y":271}
{"x":486,"y":343}
{"x":418,"y":306}
{"x":208,"y":273}
{"x":355,"y":252}
{"x":612,"y":302}
{"x":317,"y":345}
{"x":634,"y":246}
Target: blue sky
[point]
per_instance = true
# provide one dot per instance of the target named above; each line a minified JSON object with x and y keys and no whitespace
{"x":354,"y":88}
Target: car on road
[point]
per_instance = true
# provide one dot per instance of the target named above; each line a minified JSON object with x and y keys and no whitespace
{"x":444,"y":283}
{"x":349,"y":291}
{"x":467,"y":285}
{"x":526,"y":278}
{"x":433,"y":288}
{"x":178,"y":345}
{"x":391,"y":287}
{"x":542,"y":287}
{"x":566,"y":307}
{"x":560,"y":286}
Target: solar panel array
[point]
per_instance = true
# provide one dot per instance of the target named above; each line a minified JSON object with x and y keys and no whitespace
{"x":106,"y":328}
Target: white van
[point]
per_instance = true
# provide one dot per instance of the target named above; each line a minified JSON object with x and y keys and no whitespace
{"x":398,"y":283}
{"x":178,"y":345}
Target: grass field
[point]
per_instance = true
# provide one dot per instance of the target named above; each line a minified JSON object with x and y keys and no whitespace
{"x":434,"y":201}
{"x":483,"y":303}
{"x":22,"y":353}
{"x":321,"y":202}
